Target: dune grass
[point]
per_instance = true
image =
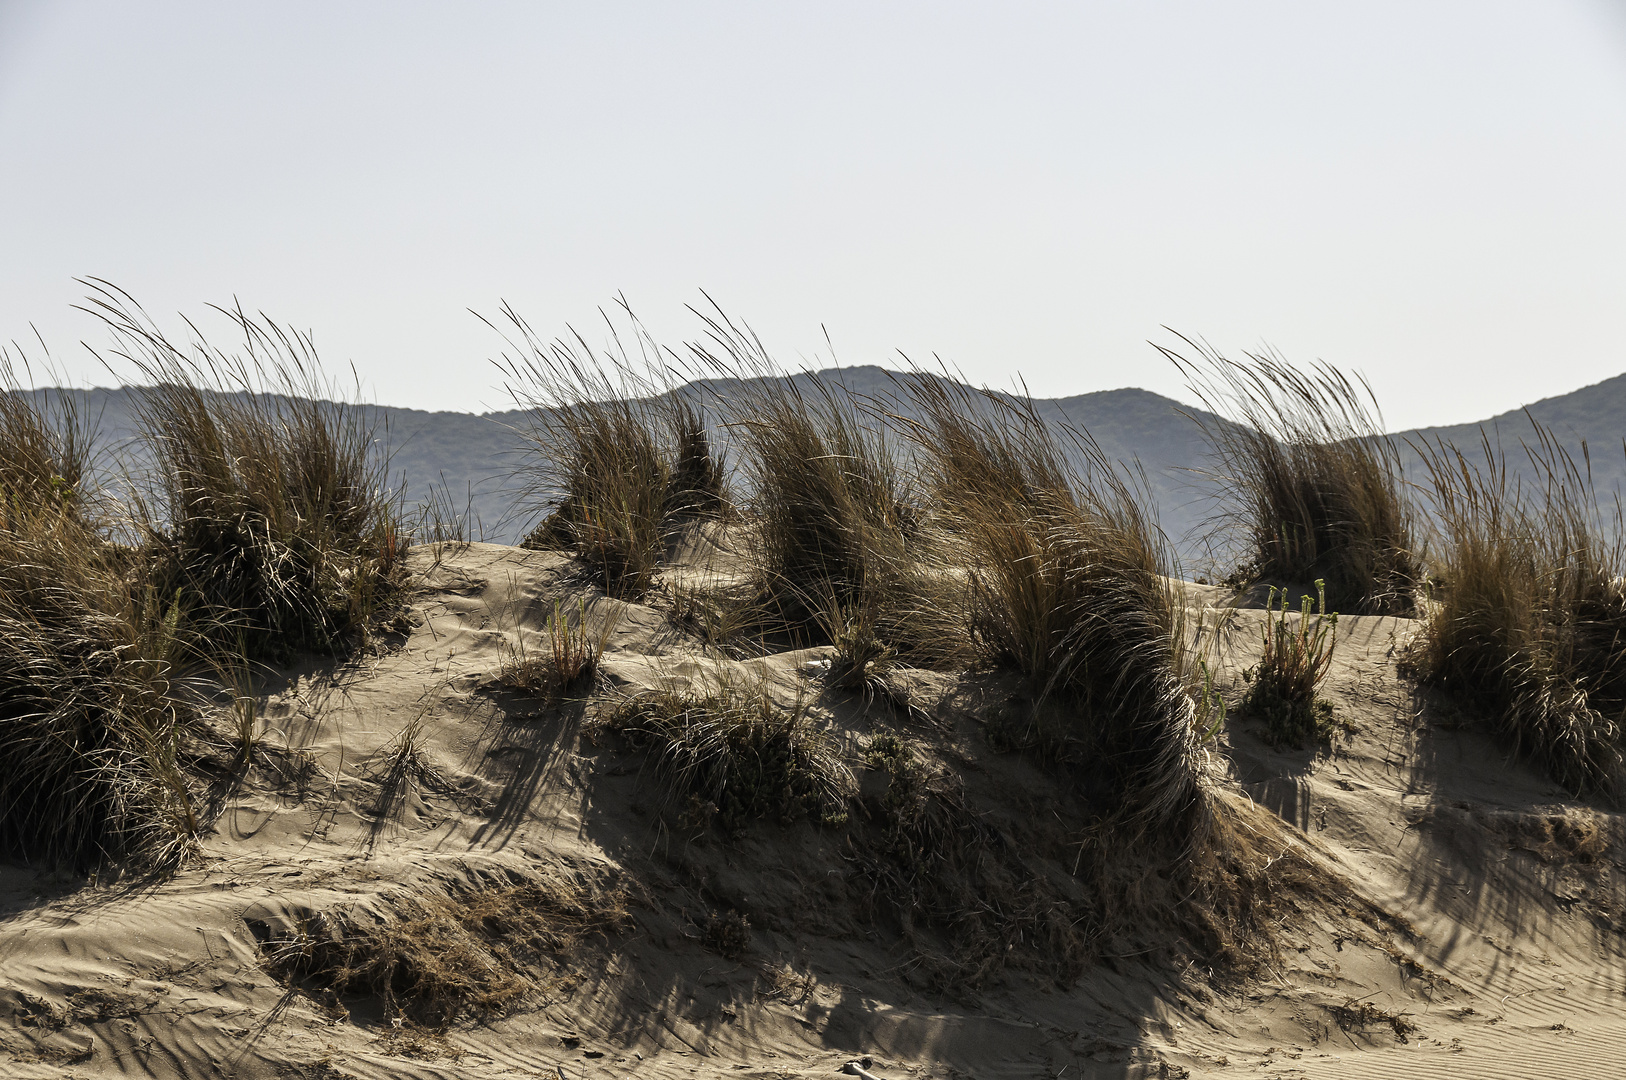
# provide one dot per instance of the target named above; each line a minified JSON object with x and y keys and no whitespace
{"x":1531,"y":615}
{"x":93,"y":719}
{"x":834,"y":526}
{"x":262,"y":529}
{"x":269,"y":517}
{"x":737,"y":754}
{"x":825,"y":494}
{"x":1309,"y":479}
{"x":1067,"y":585}
{"x":613,"y":458}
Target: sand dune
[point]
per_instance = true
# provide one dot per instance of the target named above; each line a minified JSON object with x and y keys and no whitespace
{"x":1490,"y":945}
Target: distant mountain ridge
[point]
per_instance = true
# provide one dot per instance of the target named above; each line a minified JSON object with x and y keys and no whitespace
{"x":474,"y":455}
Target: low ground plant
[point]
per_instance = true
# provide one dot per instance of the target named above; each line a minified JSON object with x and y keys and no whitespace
{"x":1308,"y":480}
{"x":1295,"y":652}
{"x":862,"y":655}
{"x":738,"y":754}
{"x":563,"y":663}
{"x":965,"y":897}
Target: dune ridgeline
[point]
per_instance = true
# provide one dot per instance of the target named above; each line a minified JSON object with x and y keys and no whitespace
{"x":808,"y":730}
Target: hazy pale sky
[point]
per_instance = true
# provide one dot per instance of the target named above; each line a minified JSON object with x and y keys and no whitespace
{"x":1428,"y":192}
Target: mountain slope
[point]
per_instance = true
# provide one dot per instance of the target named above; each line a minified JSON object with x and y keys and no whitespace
{"x":475,"y":455}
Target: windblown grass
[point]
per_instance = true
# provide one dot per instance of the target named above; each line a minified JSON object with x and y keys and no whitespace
{"x":613,"y":457}
{"x":1067,"y":585}
{"x":1531,"y":619}
{"x":270,"y":521}
{"x":834,"y":529}
{"x":826,"y":497}
{"x":1310,"y":479}
{"x":93,"y":720}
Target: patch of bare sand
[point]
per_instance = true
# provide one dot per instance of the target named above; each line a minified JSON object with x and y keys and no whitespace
{"x":752,"y":956}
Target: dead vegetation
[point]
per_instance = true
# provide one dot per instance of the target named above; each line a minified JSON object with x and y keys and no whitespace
{"x":1361,"y":1016}
{"x":432,"y":956}
{"x":1560,"y":836}
{"x":966,"y":900}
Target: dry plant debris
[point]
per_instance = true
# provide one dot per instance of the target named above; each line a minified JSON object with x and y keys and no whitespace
{"x":441,"y":953}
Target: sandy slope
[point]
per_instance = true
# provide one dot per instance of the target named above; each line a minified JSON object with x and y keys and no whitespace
{"x":1514,"y":892}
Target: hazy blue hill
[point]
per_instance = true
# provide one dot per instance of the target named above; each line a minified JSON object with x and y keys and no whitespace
{"x":477,"y":453}
{"x":1595,"y":415}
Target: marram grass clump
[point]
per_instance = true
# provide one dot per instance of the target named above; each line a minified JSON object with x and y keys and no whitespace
{"x":268,"y":516}
{"x":737,"y":754}
{"x":94,"y":718}
{"x":615,"y":459}
{"x":1067,"y":583}
{"x":1531,"y":612}
{"x":1310,"y":482}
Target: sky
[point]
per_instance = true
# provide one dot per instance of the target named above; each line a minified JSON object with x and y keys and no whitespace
{"x":1425,"y":192}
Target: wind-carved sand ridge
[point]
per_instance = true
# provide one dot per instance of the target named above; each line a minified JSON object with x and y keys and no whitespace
{"x":1497,"y":952}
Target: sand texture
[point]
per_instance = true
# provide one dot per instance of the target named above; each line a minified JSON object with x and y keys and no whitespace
{"x":1480,"y":937}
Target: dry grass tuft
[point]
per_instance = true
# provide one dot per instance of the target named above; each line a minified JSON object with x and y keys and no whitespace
{"x":401,"y":767}
{"x":435,"y":956}
{"x":1311,"y":478}
{"x":1532,"y":611}
{"x":614,"y":457}
{"x":737,"y":753}
{"x":1068,"y":585}
{"x":565,"y":666}
{"x":1572,"y":835}
{"x":270,"y":520}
